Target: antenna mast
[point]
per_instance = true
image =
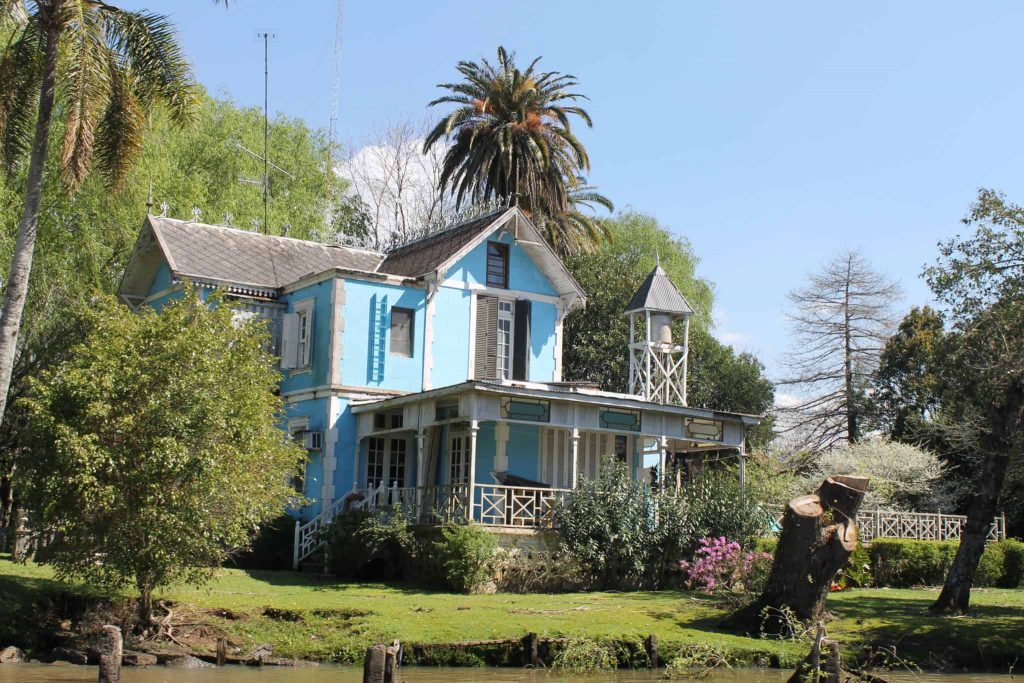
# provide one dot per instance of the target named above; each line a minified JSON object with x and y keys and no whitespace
{"x":335,"y":88}
{"x":266,"y":36}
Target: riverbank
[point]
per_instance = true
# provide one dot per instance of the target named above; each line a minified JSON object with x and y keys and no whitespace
{"x":304,"y":617}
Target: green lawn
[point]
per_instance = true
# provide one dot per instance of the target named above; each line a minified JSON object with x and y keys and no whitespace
{"x":317,"y":619}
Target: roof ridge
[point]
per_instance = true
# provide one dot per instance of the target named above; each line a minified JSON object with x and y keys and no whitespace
{"x":442,"y":231}
{"x":243,"y":231}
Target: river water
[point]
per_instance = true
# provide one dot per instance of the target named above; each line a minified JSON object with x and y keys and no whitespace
{"x":49,"y":673}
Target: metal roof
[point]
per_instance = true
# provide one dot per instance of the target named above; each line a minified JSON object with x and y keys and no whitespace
{"x":222,"y":254}
{"x":425,"y":255}
{"x":660,"y":295}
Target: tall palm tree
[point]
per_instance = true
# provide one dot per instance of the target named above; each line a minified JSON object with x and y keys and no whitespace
{"x":574,"y":231}
{"x":99,"y":67}
{"x":511,"y":135}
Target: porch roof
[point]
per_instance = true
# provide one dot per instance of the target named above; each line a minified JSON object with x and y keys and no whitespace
{"x":556,"y":391}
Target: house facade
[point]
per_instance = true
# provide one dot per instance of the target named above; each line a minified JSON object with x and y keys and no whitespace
{"x":432,"y":375}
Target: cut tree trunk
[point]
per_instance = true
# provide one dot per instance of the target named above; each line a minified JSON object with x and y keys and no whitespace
{"x":819,"y":532}
{"x":998,"y":444}
{"x":21,"y":263}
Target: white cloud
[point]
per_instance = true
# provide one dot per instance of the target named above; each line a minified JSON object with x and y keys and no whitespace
{"x":783,"y":400}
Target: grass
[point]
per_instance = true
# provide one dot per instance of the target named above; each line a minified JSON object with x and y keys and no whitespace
{"x":306,"y":617}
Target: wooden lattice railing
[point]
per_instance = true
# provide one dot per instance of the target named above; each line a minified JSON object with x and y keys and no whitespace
{"x":921,"y":526}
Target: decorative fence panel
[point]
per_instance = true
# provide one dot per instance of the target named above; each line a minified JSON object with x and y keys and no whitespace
{"x":513,"y":506}
{"x":920,"y":526}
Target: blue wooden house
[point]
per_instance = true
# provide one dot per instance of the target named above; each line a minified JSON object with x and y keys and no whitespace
{"x":432,"y":375}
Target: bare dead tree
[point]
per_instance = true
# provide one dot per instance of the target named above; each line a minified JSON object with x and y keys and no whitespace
{"x":841,"y":320}
{"x":398,"y":182}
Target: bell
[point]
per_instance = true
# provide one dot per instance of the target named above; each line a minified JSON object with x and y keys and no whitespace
{"x":661,"y":328}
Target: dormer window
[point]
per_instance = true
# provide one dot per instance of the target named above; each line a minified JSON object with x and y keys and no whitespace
{"x":497,"y":265}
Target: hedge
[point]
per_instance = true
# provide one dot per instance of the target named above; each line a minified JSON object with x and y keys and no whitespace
{"x":904,"y":563}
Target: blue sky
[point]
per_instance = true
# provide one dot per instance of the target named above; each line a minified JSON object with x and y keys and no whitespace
{"x":768,"y":134}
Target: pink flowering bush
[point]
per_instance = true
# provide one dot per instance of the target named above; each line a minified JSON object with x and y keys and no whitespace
{"x":721,"y":565}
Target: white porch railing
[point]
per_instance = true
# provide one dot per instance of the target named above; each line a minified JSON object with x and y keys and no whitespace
{"x":921,"y":526}
{"x":516,"y":506}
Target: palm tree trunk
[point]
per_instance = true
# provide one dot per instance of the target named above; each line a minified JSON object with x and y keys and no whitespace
{"x":21,"y":264}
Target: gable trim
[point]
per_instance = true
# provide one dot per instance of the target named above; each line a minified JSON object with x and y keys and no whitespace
{"x":478,"y":288}
{"x":537,"y":242}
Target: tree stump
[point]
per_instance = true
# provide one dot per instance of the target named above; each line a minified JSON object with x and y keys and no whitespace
{"x":819,"y":532}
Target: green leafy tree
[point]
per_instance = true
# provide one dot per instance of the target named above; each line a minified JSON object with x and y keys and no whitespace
{"x":908,"y":382}
{"x":156,"y":446}
{"x":597,"y":337}
{"x":85,"y":239}
{"x":511,"y":137}
{"x":980,"y":279}
{"x":101,"y":68}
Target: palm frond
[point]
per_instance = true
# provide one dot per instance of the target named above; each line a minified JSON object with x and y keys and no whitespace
{"x":121,"y":129}
{"x":20,"y":74}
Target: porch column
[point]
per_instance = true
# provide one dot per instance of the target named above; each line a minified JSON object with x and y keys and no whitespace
{"x":421,"y":440}
{"x":474,"y":427}
{"x":743,"y":470}
{"x":575,"y":456}
{"x":662,"y":456}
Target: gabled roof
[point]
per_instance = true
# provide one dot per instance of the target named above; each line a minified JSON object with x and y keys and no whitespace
{"x":660,"y":295}
{"x":425,"y":255}
{"x":441,"y":250}
{"x":228,"y":255}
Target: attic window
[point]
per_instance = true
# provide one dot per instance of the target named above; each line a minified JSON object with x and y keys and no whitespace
{"x":497,"y":265}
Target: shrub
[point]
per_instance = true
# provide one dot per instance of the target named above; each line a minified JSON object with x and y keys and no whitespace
{"x":766,"y":544}
{"x":1013,"y":563}
{"x":271,"y":549}
{"x":903,"y":563}
{"x":519,"y":570}
{"x":721,"y":565}
{"x":622,"y":533}
{"x":902,"y":476}
{"x":717,"y":506}
{"x":582,"y":655}
{"x":857,"y":573}
{"x":365,"y":545}
{"x":467,"y":556}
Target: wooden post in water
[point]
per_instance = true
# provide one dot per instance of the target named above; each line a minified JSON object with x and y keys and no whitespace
{"x":392,"y":660}
{"x":222,"y":651}
{"x":111,"y":648}
{"x":373,"y":664}
{"x":530,"y":645}
{"x":651,"y":645}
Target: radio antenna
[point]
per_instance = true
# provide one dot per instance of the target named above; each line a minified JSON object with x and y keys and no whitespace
{"x":266,"y":36}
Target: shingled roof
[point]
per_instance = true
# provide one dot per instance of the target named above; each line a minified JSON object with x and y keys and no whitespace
{"x":228,"y":254}
{"x":427,"y":254}
{"x":659,"y":294}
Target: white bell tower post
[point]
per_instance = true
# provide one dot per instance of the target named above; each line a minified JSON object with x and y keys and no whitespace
{"x":657,"y":364}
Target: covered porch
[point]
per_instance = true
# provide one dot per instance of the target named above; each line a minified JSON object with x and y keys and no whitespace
{"x":504,"y":454}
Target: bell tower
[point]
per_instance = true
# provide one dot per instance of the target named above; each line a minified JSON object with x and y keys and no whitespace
{"x":657,"y":364}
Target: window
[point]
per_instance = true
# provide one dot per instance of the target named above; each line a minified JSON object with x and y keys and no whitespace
{"x":401,"y":331}
{"x":396,"y":469}
{"x":298,"y":479}
{"x":386,"y":462}
{"x":504,"y":339}
{"x":297,"y":336}
{"x":375,"y":463}
{"x":621,"y":448}
{"x":388,"y":419}
{"x":458,"y":459}
{"x":497,"y":265}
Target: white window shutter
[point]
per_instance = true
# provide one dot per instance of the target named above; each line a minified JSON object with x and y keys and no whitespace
{"x":290,"y":341}
{"x":309,"y":338}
